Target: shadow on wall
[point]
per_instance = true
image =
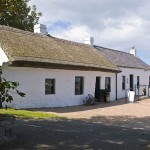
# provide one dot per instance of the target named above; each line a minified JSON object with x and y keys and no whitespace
{"x":106,"y":133}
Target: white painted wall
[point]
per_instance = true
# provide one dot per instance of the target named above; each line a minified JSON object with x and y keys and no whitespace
{"x":144,"y":79}
{"x":32,"y":82}
{"x":0,"y":62}
{"x":3,"y":57}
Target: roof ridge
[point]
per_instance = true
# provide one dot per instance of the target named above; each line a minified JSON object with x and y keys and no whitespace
{"x":16,"y":30}
{"x":12,"y":29}
{"x":102,"y":50}
{"x":68,"y":41}
{"x":112,"y":49}
{"x":121,"y":52}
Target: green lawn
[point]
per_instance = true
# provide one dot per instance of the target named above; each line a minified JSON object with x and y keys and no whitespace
{"x":29,"y":114}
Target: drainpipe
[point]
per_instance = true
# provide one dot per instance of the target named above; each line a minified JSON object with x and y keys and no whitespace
{"x":116,"y":88}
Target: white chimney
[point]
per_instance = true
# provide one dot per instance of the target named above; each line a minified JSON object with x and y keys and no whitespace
{"x":40,"y":28}
{"x":89,"y":40}
{"x":133,"y":51}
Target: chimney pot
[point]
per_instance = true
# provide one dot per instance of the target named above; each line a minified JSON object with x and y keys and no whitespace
{"x":133,"y":51}
{"x":89,"y":40}
{"x":40,"y":28}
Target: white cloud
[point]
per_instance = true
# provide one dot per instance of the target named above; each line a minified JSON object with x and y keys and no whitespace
{"x":112,"y":23}
{"x":74,"y":33}
{"x":122,"y":29}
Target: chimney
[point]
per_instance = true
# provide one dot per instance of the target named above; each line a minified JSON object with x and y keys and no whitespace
{"x":89,"y":40}
{"x":40,"y":28}
{"x":133,"y":51}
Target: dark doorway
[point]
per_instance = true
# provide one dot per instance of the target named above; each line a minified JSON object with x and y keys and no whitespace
{"x":131,"y":82}
{"x":97,"y":87}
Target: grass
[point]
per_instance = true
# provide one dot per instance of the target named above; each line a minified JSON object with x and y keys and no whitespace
{"x":29,"y":114}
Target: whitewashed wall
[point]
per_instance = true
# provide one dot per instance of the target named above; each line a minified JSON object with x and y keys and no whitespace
{"x":32,"y":82}
{"x":0,"y":62}
{"x":3,"y":57}
{"x":144,"y":79}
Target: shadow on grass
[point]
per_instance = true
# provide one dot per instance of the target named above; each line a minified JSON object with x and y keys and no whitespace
{"x":97,"y":133}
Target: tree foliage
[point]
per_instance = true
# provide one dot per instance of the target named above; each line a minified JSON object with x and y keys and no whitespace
{"x":17,"y":14}
{"x":7,"y":88}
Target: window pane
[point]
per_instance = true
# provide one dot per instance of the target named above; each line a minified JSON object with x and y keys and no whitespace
{"x":149,"y":81}
{"x":78,"y":85}
{"x":123,"y":82}
{"x":108,"y":83}
{"x":138,"y":81}
{"x":49,"y":86}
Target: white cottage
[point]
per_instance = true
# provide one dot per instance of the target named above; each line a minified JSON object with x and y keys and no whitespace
{"x":135,"y":72}
{"x":51,"y":71}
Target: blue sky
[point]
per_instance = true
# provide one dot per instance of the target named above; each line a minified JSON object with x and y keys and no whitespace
{"x":114,"y":24}
{"x":58,"y":24}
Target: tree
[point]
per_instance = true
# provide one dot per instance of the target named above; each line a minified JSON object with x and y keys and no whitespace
{"x":17,"y":14}
{"x":6,"y":88}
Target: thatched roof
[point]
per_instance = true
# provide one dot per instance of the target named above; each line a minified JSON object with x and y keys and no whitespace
{"x":24,"y":48}
{"x":123,"y":59}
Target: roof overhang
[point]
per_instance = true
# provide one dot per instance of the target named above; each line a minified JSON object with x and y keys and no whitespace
{"x":146,"y":69}
{"x":34,"y":64}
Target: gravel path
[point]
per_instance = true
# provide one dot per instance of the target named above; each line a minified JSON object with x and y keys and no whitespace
{"x":115,"y":108}
{"x":114,"y":126}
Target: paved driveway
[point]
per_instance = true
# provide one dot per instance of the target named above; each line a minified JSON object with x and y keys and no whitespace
{"x":113,"y":126}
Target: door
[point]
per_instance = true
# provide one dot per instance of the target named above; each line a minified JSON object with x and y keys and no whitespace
{"x":97,"y":87}
{"x":131,"y":82}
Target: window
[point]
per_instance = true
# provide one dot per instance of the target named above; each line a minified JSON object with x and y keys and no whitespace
{"x":149,"y":81}
{"x":123,"y":82}
{"x":138,"y":81}
{"x":49,"y":86}
{"x":108,"y":83}
{"x":131,"y":77}
{"x":78,"y":85}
